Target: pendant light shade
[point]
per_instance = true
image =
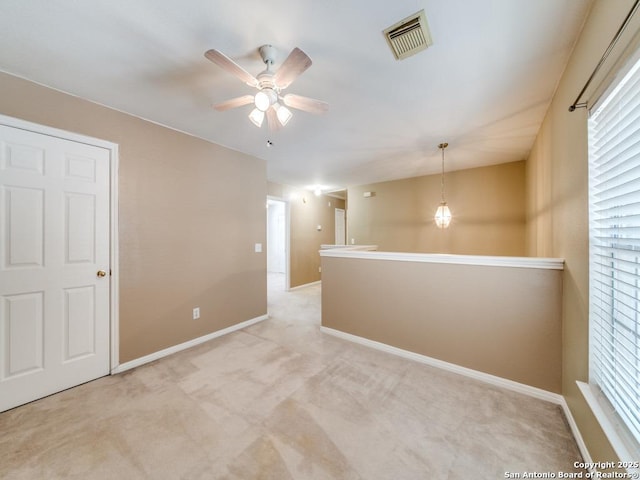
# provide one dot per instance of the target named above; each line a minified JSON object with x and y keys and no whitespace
{"x":443,"y":214}
{"x":257,"y":117}
{"x":283,"y":113}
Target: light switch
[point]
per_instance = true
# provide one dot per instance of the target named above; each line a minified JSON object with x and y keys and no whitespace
{"x":258,"y":248}
{"x":319,"y":228}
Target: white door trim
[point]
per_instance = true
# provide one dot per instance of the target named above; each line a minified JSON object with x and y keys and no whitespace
{"x":344,"y":225}
{"x":287,"y":239}
{"x":114,"y":300}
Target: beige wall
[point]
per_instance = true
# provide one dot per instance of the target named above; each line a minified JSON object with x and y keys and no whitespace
{"x":557,"y":208}
{"x":488,"y":206}
{"x":276,"y":190}
{"x":307,"y":211}
{"x":190,"y":213}
{"x":503,"y":321}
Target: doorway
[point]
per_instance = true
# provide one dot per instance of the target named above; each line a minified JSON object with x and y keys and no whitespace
{"x":277,"y":245}
{"x":340,"y":226}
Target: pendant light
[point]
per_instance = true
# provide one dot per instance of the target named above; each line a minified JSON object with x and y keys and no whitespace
{"x":443,"y":214}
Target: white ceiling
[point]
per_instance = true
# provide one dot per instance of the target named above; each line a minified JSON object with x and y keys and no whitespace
{"x":483,"y":86}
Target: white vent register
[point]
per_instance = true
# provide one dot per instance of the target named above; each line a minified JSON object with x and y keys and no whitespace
{"x":409,"y":36}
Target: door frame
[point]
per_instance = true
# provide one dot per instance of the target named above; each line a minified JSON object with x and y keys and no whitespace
{"x":287,"y":239}
{"x":114,"y":297}
{"x":344,"y":224}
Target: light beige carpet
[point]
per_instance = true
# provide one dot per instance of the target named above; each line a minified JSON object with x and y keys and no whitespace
{"x":280,"y":400}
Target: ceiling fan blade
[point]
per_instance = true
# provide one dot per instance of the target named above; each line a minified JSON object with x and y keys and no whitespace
{"x":234,"y":102}
{"x":230,"y":66}
{"x":307,"y":104}
{"x":294,"y":65}
{"x":272,"y":120}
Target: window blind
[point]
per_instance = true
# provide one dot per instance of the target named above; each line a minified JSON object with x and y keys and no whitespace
{"x":614,"y":244}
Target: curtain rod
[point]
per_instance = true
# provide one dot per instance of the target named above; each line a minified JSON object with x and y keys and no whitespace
{"x":617,"y":36}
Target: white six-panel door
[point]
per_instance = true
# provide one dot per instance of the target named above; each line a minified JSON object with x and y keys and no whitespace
{"x":54,"y":247}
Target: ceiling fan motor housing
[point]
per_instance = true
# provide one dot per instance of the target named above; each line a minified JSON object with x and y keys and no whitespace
{"x":269,"y":91}
{"x":265,"y":80}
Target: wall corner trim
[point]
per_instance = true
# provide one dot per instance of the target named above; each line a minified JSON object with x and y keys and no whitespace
{"x":467,"y":372}
{"x":183,"y":346}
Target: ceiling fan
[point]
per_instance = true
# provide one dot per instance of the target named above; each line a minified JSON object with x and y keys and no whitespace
{"x":270,"y":86}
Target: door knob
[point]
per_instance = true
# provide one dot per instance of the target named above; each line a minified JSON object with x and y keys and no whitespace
{"x":102,"y":273}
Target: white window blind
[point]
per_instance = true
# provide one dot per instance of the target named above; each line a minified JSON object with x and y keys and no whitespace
{"x":614,"y":214}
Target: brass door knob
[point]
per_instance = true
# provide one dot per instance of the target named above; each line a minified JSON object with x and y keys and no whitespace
{"x":102,"y":273}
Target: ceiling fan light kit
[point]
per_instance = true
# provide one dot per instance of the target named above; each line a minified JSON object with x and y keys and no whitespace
{"x":270,"y":85}
{"x":257,"y":117}
{"x":264,"y":99}
{"x":283,"y":113}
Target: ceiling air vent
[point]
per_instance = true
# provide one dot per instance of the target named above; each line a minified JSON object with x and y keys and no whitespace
{"x":409,"y":36}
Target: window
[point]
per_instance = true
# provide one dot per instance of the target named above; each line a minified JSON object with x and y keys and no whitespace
{"x":614,"y":244}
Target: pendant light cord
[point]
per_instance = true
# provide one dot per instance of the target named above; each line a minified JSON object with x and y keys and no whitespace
{"x":442,"y":146}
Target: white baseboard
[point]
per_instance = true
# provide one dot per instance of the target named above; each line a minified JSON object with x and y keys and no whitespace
{"x":451,"y":367}
{"x":123,"y":367}
{"x":484,"y":377}
{"x":305,"y":285}
{"x":576,"y":432}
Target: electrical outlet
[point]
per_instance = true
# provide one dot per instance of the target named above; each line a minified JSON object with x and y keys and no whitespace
{"x":196,"y":313}
{"x":319,"y":269}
